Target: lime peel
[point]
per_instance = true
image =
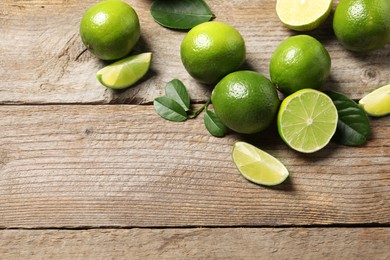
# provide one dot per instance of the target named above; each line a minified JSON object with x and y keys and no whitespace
{"x":258,"y":166}
{"x":377,"y":103}
{"x":125,"y":72}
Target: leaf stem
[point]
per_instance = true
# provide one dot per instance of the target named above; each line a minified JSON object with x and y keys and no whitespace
{"x":195,"y":113}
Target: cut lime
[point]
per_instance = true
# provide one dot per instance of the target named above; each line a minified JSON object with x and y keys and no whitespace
{"x":307,"y":120}
{"x":125,"y":72}
{"x":258,"y":166}
{"x":303,"y":15}
{"x":377,"y":103}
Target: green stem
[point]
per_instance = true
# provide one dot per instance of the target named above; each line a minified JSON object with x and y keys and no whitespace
{"x":195,"y":113}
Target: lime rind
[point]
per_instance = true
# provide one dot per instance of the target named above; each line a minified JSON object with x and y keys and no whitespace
{"x":303,"y":15}
{"x":258,"y":166}
{"x":307,"y":120}
{"x":377,"y":103}
{"x":125,"y":72}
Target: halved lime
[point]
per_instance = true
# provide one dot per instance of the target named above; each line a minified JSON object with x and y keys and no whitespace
{"x":377,"y":103}
{"x":258,"y":166}
{"x":125,"y":72}
{"x":307,"y":120}
{"x":303,"y":15}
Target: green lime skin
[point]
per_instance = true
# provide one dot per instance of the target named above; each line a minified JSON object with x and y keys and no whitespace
{"x":110,"y":29}
{"x":245,"y":101}
{"x":299,"y":62}
{"x":212,"y":50}
{"x":362,"y":25}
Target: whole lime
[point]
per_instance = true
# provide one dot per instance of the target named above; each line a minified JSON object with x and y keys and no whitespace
{"x":362,"y":25}
{"x":245,"y":101}
{"x":299,"y":62}
{"x":211,"y":50}
{"x":110,"y":29}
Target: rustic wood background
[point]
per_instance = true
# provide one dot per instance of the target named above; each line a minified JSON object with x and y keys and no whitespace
{"x":87,"y":172}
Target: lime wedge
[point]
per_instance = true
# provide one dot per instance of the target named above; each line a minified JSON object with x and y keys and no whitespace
{"x":307,"y":120}
{"x":377,"y":103}
{"x":303,"y":15}
{"x":258,"y":166}
{"x":125,"y":72}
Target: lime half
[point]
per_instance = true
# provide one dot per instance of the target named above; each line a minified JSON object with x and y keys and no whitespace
{"x":377,"y":103}
{"x":125,"y":72}
{"x":307,"y":120}
{"x":303,"y":15}
{"x":258,"y":166}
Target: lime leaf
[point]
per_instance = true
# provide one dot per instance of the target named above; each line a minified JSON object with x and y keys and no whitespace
{"x":353,"y":126}
{"x":169,"y":109}
{"x":214,"y":125}
{"x":176,"y":90}
{"x":180,"y":14}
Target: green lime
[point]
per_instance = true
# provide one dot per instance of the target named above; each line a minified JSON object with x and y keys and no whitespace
{"x":377,"y":103}
{"x":307,"y":120}
{"x":211,"y":50}
{"x":245,"y":101}
{"x":258,"y":166}
{"x":125,"y":72}
{"x":302,"y":15}
{"x":362,"y":25}
{"x":299,"y":62}
{"x":110,"y":29}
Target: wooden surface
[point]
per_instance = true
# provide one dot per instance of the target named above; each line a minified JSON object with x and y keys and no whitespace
{"x":83,"y":168}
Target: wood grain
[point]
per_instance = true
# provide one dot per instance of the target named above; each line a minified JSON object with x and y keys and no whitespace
{"x":199,"y":243}
{"x":40,"y":46}
{"x":124,"y":166}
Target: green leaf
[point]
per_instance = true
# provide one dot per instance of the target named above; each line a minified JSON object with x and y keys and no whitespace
{"x":180,"y":14}
{"x":214,"y":125}
{"x":353,"y":125}
{"x":169,"y":109}
{"x":176,"y":90}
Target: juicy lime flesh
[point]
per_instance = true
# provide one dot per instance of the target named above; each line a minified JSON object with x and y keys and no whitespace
{"x":377,"y":103}
{"x":110,"y":29}
{"x":126,"y":72}
{"x":303,"y":15}
{"x":257,"y":165}
{"x":211,"y":50}
{"x":307,"y":120}
{"x":245,"y":101}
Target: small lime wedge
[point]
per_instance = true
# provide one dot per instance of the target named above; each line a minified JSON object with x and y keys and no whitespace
{"x":307,"y":120}
{"x":124,"y":73}
{"x":303,"y":15}
{"x":258,"y":166}
{"x":377,"y":103}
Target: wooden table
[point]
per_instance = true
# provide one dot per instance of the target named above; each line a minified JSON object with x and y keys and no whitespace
{"x":86,"y":172}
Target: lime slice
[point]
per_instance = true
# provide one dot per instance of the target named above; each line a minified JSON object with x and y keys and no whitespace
{"x":258,"y":166}
{"x":307,"y":120}
{"x":125,"y":72}
{"x":303,"y":15}
{"x":377,"y":103}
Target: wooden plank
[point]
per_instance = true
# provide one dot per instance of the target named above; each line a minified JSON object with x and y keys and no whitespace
{"x":40,"y":45}
{"x":199,"y":243}
{"x":122,"y":165}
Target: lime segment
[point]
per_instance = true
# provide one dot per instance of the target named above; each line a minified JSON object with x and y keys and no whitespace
{"x":125,"y":72}
{"x":258,"y":166}
{"x":377,"y":103}
{"x":303,"y":15}
{"x":307,"y":120}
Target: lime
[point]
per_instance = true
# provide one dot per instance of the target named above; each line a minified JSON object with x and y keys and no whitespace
{"x":125,"y":72}
{"x":299,"y":62}
{"x":110,"y":29}
{"x":211,"y":50}
{"x":303,"y":15}
{"x":307,"y":120}
{"x":377,"y":103}
{"x":245,"y":101}
{"x":362,"y":25}
{"x":258,"y":166}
